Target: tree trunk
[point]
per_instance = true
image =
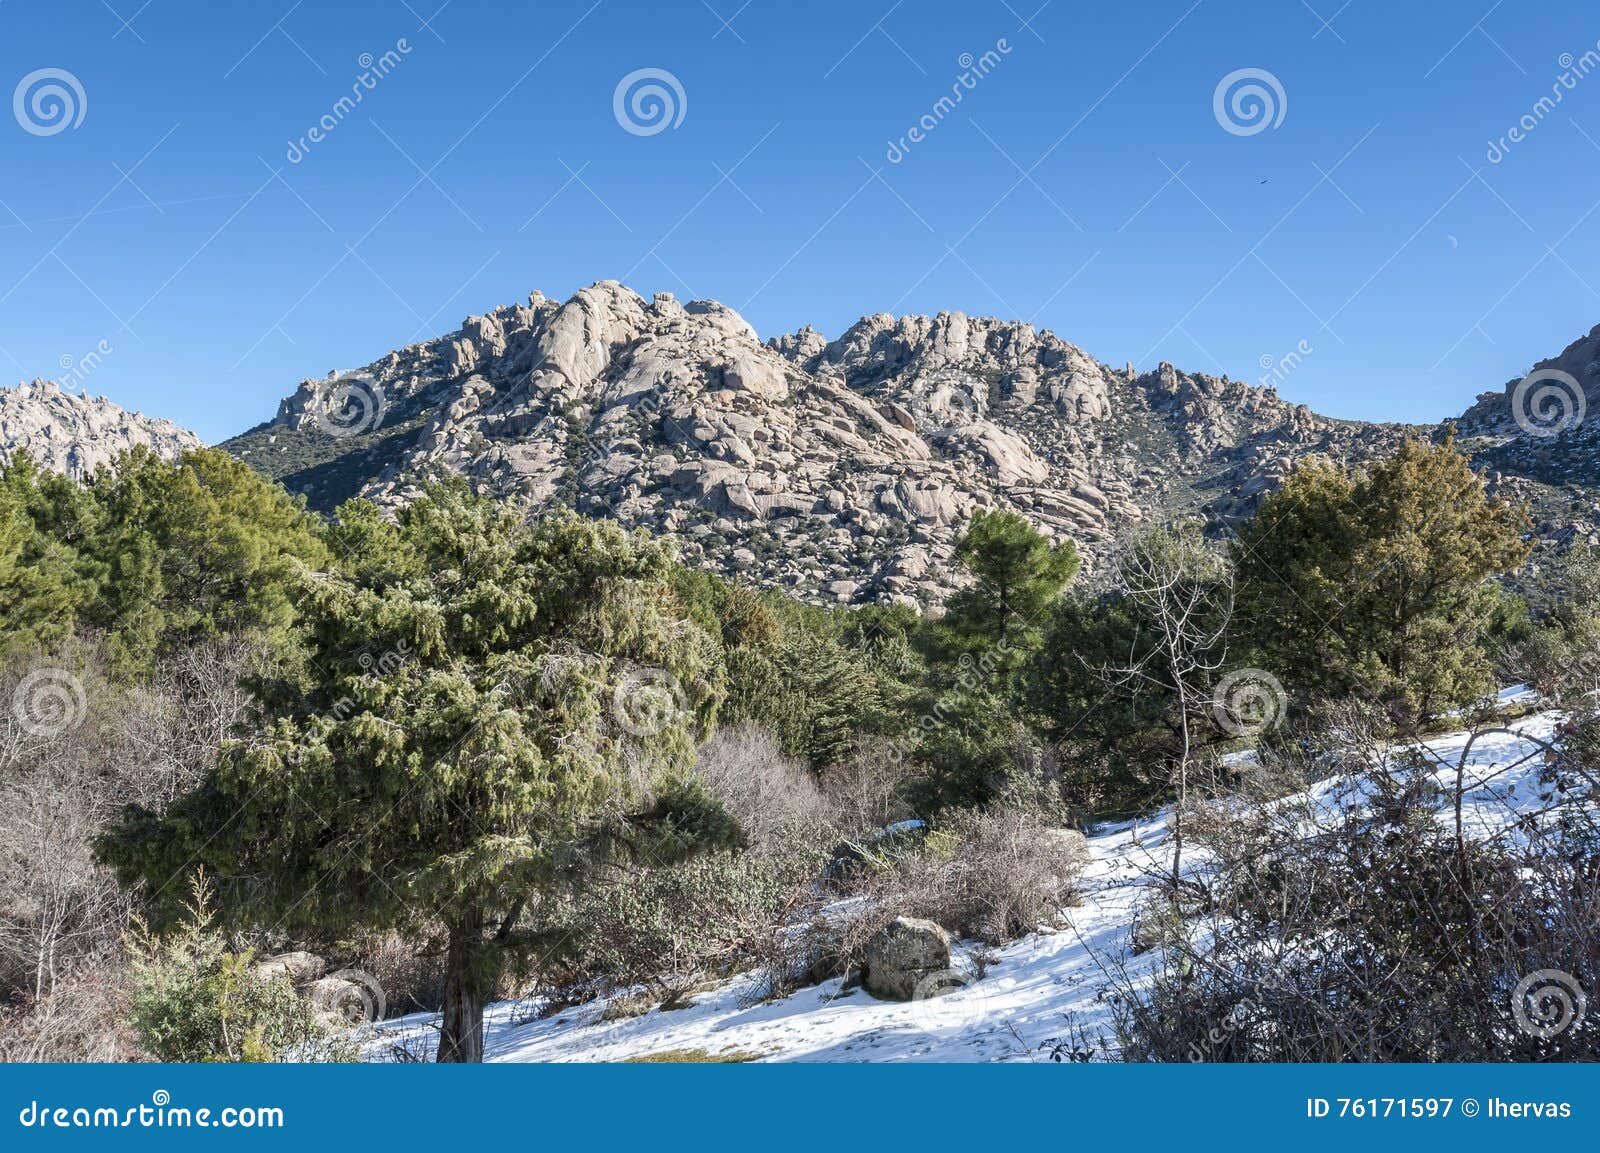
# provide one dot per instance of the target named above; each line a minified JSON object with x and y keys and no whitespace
{"x":1183,"y":793}
{"x":465,"y":979}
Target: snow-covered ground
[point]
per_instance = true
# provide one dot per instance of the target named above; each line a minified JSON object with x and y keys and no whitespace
{"x":1044,"y":989}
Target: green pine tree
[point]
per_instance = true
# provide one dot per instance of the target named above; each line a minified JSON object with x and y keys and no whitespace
{"x":1017,"y":575}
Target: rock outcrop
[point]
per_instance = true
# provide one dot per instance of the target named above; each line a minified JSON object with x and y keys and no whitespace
{"x":839,"y":470}
{"x":77,"y":434}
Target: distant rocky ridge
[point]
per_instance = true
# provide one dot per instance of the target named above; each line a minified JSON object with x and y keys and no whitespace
{"x":76,"y":434}
{"x":842,"y":470}
{"x":1539,"y":437}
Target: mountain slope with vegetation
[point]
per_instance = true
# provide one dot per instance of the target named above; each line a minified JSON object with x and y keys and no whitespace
{"x":836,"y":470}
{"x":259,"y":765}
{"x":839,"y":470}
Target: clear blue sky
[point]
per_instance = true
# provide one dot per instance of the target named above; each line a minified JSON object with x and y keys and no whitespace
{"x":1084,"y":182}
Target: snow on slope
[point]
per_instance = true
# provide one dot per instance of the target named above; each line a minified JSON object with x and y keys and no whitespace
{"x":1043,"y":989}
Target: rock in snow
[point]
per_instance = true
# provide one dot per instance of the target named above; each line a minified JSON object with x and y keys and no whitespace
{"x":902,"y":955}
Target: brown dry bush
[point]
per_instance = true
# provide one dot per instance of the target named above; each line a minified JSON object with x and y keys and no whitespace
{"x":408,"y":966}
{"x":864,"y":791}
{"x":769,"y":795}
{"x":1375,"y":934}
{"x":62,"y":917}
{"x":992,"y":876}
{"x":989,"y":876}
{"x":80,"y":1020}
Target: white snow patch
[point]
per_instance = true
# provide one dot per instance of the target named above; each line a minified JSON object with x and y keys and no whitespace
{"x":1047,"y":987}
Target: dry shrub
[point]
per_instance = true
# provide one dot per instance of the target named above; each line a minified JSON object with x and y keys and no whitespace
{"x":100,"y":746}
{"x":990,"y":876}
{"x":993,"y":876}
{"x":80,"y":1020}
{"x":864,"y":791}
{"x":407,"y":966}
{"x":768,"y":794}
{"x":1372,"y":933}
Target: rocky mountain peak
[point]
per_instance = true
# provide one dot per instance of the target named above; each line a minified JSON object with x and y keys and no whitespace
{"x":76,"y":434}
{"x":1554,"y":399}
{"x":839,"y":469}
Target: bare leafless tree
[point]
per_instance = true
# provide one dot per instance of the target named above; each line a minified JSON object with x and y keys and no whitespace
{"x":75,"y":747}
{"x":1182,"y":593}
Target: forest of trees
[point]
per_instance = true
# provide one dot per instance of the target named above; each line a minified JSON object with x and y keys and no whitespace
{"x":478,"y":754}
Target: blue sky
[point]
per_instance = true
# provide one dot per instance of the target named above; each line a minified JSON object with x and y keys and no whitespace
{"x":1084,"y":181}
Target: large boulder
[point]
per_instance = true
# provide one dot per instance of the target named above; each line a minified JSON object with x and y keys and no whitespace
{"x":901,"y":955}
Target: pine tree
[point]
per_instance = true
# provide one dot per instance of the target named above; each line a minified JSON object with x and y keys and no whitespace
{"x":482,"y":693}
{"x":1017,"y":576}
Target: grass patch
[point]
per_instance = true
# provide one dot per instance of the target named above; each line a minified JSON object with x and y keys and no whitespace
{"x":693,"y":1057}
{"x":626,"y":1005}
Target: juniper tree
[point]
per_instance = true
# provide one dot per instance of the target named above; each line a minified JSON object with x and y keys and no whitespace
{"x":192,"y":549}
{"x":44,"y":520}
{"x":481,"y":693}
{"x":1378,"y":583}
{"x":153,"y":554}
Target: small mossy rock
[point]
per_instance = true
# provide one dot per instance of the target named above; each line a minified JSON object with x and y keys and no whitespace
{"x":298,"y":967}
{"x":901,"y":954}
